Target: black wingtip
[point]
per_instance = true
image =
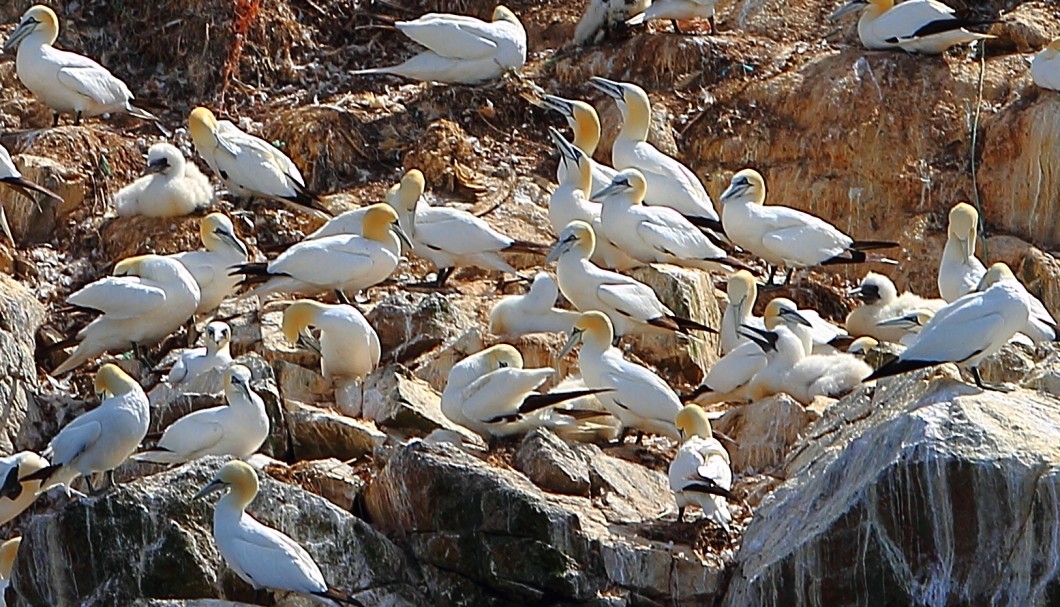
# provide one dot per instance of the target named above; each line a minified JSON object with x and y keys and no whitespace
{"x":685,"y":325}
{"x":12,"y":487}
{"x":540,"y":401}
{"x":694,"y":394}
{"x":41,"y":475}
{"x":706,"y":222}
{"x":899,"y":366}
{"x":711,"y":487}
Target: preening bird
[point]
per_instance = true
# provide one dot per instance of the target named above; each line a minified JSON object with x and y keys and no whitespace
{"x":349,"y":346}
{"x":960,"y":270}
{"x":915,"y":26}
{"x":215,"y":354}
{"x":210,"y":268}
{"x":585,"y":124}
{"x":742,"y":292}
{"x":700,"y":474}
{"x":170,"y":187}
{"x":533,"y":312}
{"x":16,"y":494}
{"x":881,"y":302}
{"x":601,"y":16}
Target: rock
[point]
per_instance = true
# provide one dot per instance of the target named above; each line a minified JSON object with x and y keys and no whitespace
{"x":409,"y":324}
{"x":31,"y":222}
{"x":394,"y":399}
{"x":552,"y":464}
{"x":302,"y":385}
{"x":329,"y":478}
{"x":319,"y":433}
{"x":912,"y":492}
{"x":189,"y":603}
{"x":764,"y":432}
{"x":276,"y":347}
{"x":435,"y":370}
{"x":20,"y":316}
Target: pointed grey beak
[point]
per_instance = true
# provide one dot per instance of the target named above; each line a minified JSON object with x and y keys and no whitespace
{"x":854,"y":292}
{"x":567,"y":152}
{"x":849,"y":7}
{"x":968,"y":246}
{"x":558,"y":104}
{"x":213,"y":487}
{"x":402,"y":236}
{"x":24,"y":29}
{"x":610,"y":190}
{"x":575,"y":337}
{"x":561,"y":247}
{"x":796,"y":317}
{"x":908,"y":321}
{"x":734,"y":190}
{"x":231,"y":239}
{"x":608,"y":87}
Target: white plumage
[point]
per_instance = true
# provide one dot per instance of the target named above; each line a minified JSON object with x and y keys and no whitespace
{"x":533,"y":312}
{"x":8,"y":552}
{"x":817,"y":334}
{"x":211,"y":268}
{"x":585,"y":124}
{"x":171,"y":187}
{"x":915,"y":26}
{"x":216,"y":354}
{"x":791,"y":371}
{"x":960,"y":270}
{"x":742,"y":292}
{"x":880,"y":302}
{"x":16,"y":495}
{"x":730,"y":378}
{"x":1045,"y":67}
{"x":603,"y":15}
{"x":699,"y":473}
{"x":678,"y":10}
{"x":349,"y":346}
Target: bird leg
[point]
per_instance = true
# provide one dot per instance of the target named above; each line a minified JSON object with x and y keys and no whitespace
{"x":680,"y":514}
{"x":91,"y":490}
{"x":77,"y":119}
{"x":193,"y":335}
{"x":110,"y":478}
{"x":443,"y":275}
{"x":713,"y":28}
{"x":339,"y":295}
{"x":677,"y":28}
{"x":640,"y":437}
{"x":622,"y":435}
{"x":987,"y":386}
{"x":140,"y":356}
{"x":55,"y":119}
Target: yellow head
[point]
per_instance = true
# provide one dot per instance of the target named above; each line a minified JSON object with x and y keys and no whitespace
{"x":964,"y":221}
{"x":379,"y":220}
{"x":742,"y":290}
{"x":782,"y":310}
{"x":746,"y":186}
{"x":692,"y":421}
{"x":586,"y":125}
{"x":578,"y":236}
{"x":593,"y":327}
{"x":406,"y":194}
{"x":300,"y":315}
{"x":38,"y":18}
{"x":110,"y":380}
{"x":503,"y":13}
{"x":202,"y":124}
{"x":1054,"y":46}
{"x":8,"y":552}
{"x":216,"y":230}
{"x":997,"y":272}
{"x":634,"y":104}
{"x":501,"y":356}
{"x":630,"y":183}
{"x":862,"y":345}
{"x":238,"y":478}
{"x":132,"y":266}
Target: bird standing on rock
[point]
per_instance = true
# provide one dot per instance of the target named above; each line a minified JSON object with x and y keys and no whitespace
{"x":700,"y":474}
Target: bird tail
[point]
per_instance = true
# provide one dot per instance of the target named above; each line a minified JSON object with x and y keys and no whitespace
{"x":370,"y":71}
{"x":142,"y":113}
{"x":540,"y":401}
{"x":24,"y":187}
{"x":524,"y":246}
{"x":685,"y":325}
{"x":841,"y":342}
{"x":41,"y":475}
{"x":253,"y":273}
{"x":78,"y":358}
{"x":855,"y":256}
{"x":339,"y":597}
{"x":897,"y":367}
{"x":704,"y":222}
{"x":694,"y":394}
{"x":872,"y":245}
{"x":158,"y":455}
{"x":307,"y":200}
{"x":635,"y":19}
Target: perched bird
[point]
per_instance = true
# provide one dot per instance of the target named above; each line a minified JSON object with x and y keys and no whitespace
{"x":700,"y":473}
{"x":818,"y":336}
{"x":237,"y":429}
{"x":783,"y":236}
{"x":101,"y":439}
{"x":803,"y":377}
{"x":678,"y":10}
{"x":915,"y":26}
{"x":210,"y":268}
{"x":15,"y":494}
{"x":1041,"y":326}
{"x":629,"y":304}
{"x":601,"y":16}
{"x":343,"y":262}
{"x":261,"y":556}
{"x":742,"y":292}
{"x":250,"y":166}
{"x":461,"y":49}
{"x":8,"y":552}
{"x":147,"y":298}
{"x":910,"y":322}
{"x":533,"y":312}
{"x":729,"y":380}
{"x":1045,"y":67}
{"x":639,"y":398}
{"x":585,"y":124}
{"x":670,"y":183}
{"x":862,"y":346}
{"x":216,"y":354}
{"x":969,"y":329}
{"x":170,"y":187}
{"x":960,"y":270}
{"x":349,"y":346}
{"x":12,"y":178}
{"x":880,"y":301}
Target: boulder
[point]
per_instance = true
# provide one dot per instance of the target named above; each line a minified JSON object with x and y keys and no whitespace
{"x":763,"y":431}
{"x":394,"y":399}
{"x":410,"y":324}
{"x":319,"y":433}
{"x":552,"y":464}
{"x":335,"y":481}
{"x":20,"y":316}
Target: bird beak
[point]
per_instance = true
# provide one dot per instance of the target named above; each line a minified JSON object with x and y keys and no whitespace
{"x":855,"y":292}
{"x":24,"y":29}
{"x":609,"y":190}
{"x":231,"y":239}
{"x":156,"y":166}
{"x":608,"y":87}
{"x":899,"y":321}
{"x":795,"y":316}
{"x":767,"y":340}
{"x":732,"y":191}
{"x":561,"y":247}
{"x":558,"y":104}
{"x":566,"y":150}
{"x":402,"y":236}
{"x":213,"y":487}
{"x":575,"y":337}
{"x":849,"y":7}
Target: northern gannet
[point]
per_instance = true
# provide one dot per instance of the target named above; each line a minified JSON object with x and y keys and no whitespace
{"x":461,"y":49}
{"x":216,"y":354}
{"x":862,"y":346}
{"x":261,"y":556}
{"x":601,"y":16}
{"x":670,"y":183}
{"x":147,"y":298}
{"x":915,"y":26}
{"x":250,"y":166}
{"x":654,"y":234}
{"x":700,"y":472}
{"x":960,"y":270}
{"x":170,"y":187}
{"x":349,"y":346}
{"x":791,"y":371}
{"x":639,"y":398}
{"x":101,"y":439}
{"x":237,"y":429}
{"x":783,"y":236}
{"x":969,"y":329}
{"x":517,"y":315}
{"x":910,"y":322}
{"x":343,"y":262}
{"x":15,"y":494}
{"x":585,"y":124}
{"x":1041,"y":326}
{"x":742,"y":292}
{"x":880,"y":301}
{"x":12,"y":178}
{"x":1045,"y":67}
{"x":730,"y":378}
{"x":64,"y":81}
{"x":210,"y":268}
{"x":8,"y":552}
{"x":817,"y":334}
{"x":629,"y":304}
{"x":678,"y":10}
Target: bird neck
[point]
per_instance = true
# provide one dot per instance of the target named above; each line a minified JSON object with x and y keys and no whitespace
{"x":636,"y":119}
{"x":586,"y":134}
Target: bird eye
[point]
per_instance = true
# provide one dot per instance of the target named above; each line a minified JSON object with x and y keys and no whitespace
{"x":502,"y":365}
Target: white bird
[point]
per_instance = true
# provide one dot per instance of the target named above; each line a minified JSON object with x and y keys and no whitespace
{"x":639,"y":398}
{"x":601,"y":16}
{"x":1045,"y":67}
{"x":250,"y":166}
{"x":15,"y":494}
{"x":915,"y":26}
{"x":960,"y":270}
{"x":783,"y":236}
{"x":216,"y":354}
{"x":910,"y":322}
{"x":742,"y":293}
{"x":147,"y":298}
{"x":8,"y":552}
{"x":237,"y":429}
{"x":791,"y":371}
{"x":261,"y":556}
{"x":64,"y":81}
{"x":880,"y":301}
{"x":817,"y":334}
{"x":862,"y":346}
{"x":670,"y":183}
{"x":969,"y":329}
{"x":11,"y":177}
{"x":585,"y":124}
{"x":730,"y":378}
{"x":349,"y":346}
{"x":101,"y":439}
{"x":343,"y":262}
{"x":678,"y":10}
{"x":630,"y":304}
{"x":700,"y":472}
{"x":210,"y":268}
{"x":533,"y":312}
{"x":654,"y":234}
{"x":170,"y":187}
{"x":1041,"y":326}
{"x":461,"y":49}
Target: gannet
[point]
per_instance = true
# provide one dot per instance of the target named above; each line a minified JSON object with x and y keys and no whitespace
{"x":261,"y":556}
{"x":349,"y":346}
{"x":910,"y":322}
{"x":742,"y":292}
{"x":629,"y":304}
{"x":700,"y":472}
{"x":880,"y":301}
{"x":915,"y":26}
{"x":783,"y":236}
{"x":639,"y":398}
{"x":250,"y":166}
{"x":782,"y":349}
{"x":64,"y":81}
{"x":729,"y":379}
{"x":862,"y":346}
{"x":969,"y":329}
{"x":570,"y":202}
{"x":345,"y":262}
{"x":670,"y":183}
{"x":601,"y":16}
{"x":101,"y":439}
{"x":585,"y":124}
{"x":492,"y":394}
{"x":960,"y":270}
{"x":237,"y":429}
{"x":678,"y":10}
{"x":533,"y":312}
{"x":817,"y":334}
{"x":15,"y":494}
{"x":210,"y":268}
{"x":791,"y":371}
{"x":1041,"y":326}
{"x":11,"y":177}
{"x":216,"y":354}
{"x":1045,"y":67}
{"x":8,"y":552}
{"x":147,"y":298}
{"x":461,"y":49}
{"x":170,"y":187}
